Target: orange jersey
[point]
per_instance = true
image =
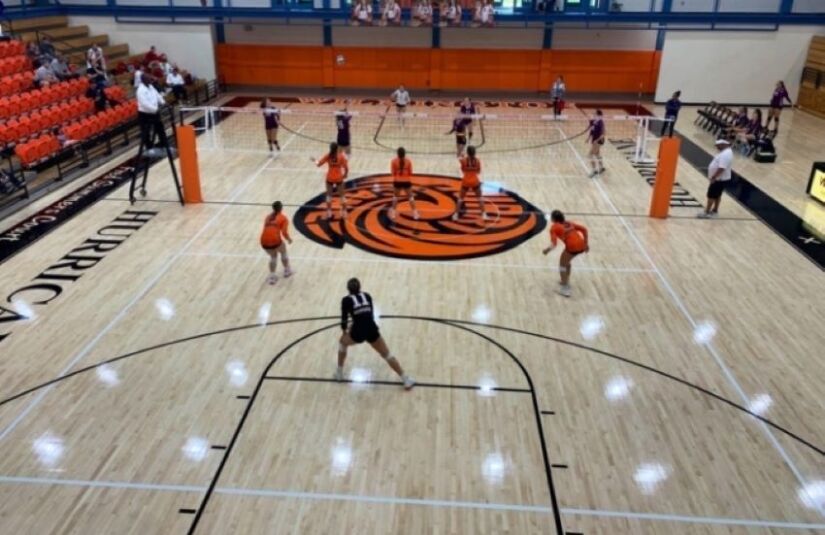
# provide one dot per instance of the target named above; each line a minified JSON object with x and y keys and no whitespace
{"x":275,"y":226}
{"x":338,"y":170}
{"x":469,"y":172}
{"x":572,"y":234}
{"x":399,"y":174}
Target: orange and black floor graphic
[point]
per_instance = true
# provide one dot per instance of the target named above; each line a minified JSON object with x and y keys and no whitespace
{"x":370,"y":225}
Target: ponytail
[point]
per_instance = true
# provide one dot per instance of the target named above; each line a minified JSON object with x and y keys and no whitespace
{"x":401,"y":154}
{"x":471,"y":156}
{"x":333,"y":153}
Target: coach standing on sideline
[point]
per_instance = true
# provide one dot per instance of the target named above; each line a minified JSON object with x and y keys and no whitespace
{"x":149,"y":104}
{"x":672,"y":108}
{"x":719,"y":173}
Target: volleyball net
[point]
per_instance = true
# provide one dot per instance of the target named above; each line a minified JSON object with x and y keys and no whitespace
{"x":427,"y":131}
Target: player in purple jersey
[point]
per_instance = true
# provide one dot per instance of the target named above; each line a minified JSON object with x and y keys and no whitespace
{"x":342,"y":123}
{"x":596,"y":138}
{"x":272,"y":119}
{"x":460,"y":130}
{"x":780,"y":95}
{"x":468,"y":111}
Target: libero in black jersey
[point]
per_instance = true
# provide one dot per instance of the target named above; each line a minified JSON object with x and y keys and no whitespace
{"x":358,"y":325}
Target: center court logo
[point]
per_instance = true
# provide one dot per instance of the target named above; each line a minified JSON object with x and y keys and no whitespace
{"x":434,"y":236}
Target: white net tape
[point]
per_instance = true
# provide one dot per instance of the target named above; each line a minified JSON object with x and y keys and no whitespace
{"x":423,"y":132}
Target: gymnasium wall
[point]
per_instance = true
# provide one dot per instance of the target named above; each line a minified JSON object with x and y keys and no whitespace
{"x":503,"y":59}
{"x":189,"y":45}
{"x":733,"y":67}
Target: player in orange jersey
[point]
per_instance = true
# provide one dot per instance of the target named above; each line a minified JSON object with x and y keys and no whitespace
{"x":574,"y":237}
{"x":402,"y":170}
{"x":337,"y":171}
{"x":276,"y":230}
{"x":470,"y":169}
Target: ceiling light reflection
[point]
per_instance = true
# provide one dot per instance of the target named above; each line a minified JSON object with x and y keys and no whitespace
{"x":493,"y":468}
{"x":760,"y":404}
{"x":107,"y":375}
{"x":165,"y":308}
{"x":591,"y":326}
{"x":237,"y":372}
{"x":49,"y":449}
{"x":482,"y":314}
{"x":195,"y":449}
{"x":617,"y":388}
{"x":812,"y":495}
{"x":649,"y":475}
{"x":704,"y":332}
{"x":341,"y":457}
{"x":263,"y":313}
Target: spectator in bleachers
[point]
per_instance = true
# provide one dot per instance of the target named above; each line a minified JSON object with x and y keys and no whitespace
{"x":488,"y":14}
{"x":43,"y":75}
{"x":164,"y":65}
{"x":61,"y":69}
{"x":362,"y":13}
{"x":176,"y":83}
{"x":32,"y":50}
{"x":151,"y":57}
{"x":47,"y":48}
{"x":96,"y":60}
{"x":97,"y":92}
{"x":392,"y":14}
{"x":451,"y":13}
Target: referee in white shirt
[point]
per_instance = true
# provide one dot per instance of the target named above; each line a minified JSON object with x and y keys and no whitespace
{"x":719,"y":173}
{"x":149,"y":104}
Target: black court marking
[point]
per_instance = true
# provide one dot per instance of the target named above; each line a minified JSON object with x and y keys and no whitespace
{"x":790,"y":434}
{"x":548,"y":413}
{"x":560,"y":466}
{"x":187,"y":511}
{"x":394,"y":383}
{"x":216,"y":447}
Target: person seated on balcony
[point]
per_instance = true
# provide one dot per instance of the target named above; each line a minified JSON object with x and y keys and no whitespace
{"x":362,"y":13}
{"x":174,"y":80}
{"x":423,"y":13}
{"x":488,"y":14}
{"x":96,"y":60}
{"x":97,"y":92}
{"x":138,"y":77}
{"x":164,"y":65}
{"x":392,"y":14}
{"x":32,"y":51}
{"x":43,"y":75}
{"x":452,"y":14}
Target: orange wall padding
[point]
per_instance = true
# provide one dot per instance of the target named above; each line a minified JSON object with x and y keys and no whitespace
{"x":420,"y":68}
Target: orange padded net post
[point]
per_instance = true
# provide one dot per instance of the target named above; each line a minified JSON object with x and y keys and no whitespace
{"x":188,"y":155}
{"x":665,"y":177}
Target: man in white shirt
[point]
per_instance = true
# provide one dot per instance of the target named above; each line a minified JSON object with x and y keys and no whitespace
{"x":176,"y":83}
{"x":719,"y":173}
{"x":149,"y":104}
{"x":401,"y":98}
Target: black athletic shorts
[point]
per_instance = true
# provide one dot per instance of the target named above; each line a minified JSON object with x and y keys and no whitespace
{"x":716,"y":188}
{"x":364,"y":334}
{"x":402,"y":184}
{"x":461,"y":139}
{"x":401,"y":107}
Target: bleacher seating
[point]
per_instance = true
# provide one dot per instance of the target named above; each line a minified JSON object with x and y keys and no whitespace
{"x":12,"y":48}
{"x":9,"y":85}
{"x":13,"y":64}
{"x":37,"y":150}
{"x":19,"y":104}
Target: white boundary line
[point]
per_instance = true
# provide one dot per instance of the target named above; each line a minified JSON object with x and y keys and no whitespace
{"x":391,"y":500}
{"x":89,"y":346}
{"x":416,"y":262}
{"x":726,"y":371}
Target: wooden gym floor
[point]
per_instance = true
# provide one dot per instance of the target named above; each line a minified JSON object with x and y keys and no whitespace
{"x":680,"y":389}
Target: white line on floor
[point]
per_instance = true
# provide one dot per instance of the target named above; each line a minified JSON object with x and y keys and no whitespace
{"x":726,"y":371}
{"x":391,"y":500}
{"x":88,"y":347}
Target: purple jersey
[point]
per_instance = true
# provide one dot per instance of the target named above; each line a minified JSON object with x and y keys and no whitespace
{"x":272,"y":117}
{"x":468,"y":109}
{"x":779,"y":96}
{"x":596,"y":129}
{"x":459,"y":126}
{"x":342,"y":124}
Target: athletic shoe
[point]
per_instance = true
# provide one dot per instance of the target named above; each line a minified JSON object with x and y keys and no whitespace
{"x":713,"y":215}
{"x":455,"y":216}
{"x":703,"y":215}
{"x":329,"y":214}
{"x":485,"y":217}
{"x":288,"y":273}
{"x":565,"y":290}
{"x":272,"y":279}
{"x":593,"y":174}
{"x":415,"y":215}
{"x":602,"y":170}
{"x":409,"y":382}
{"x":339,"y":375}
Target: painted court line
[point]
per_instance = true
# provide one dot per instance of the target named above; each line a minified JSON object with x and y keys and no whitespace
{"x":726,"y":371}
{"x":390,"y":500}
{"x":143,"y":291}
{"x":408,"y":262}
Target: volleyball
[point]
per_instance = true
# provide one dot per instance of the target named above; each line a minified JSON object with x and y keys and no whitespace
{"x":340,"y":59}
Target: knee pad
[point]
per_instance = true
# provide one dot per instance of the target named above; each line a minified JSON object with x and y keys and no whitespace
{"x":341,"y":347}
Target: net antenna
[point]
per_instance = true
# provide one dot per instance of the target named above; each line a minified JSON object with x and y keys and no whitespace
{"x":146,"y":156}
